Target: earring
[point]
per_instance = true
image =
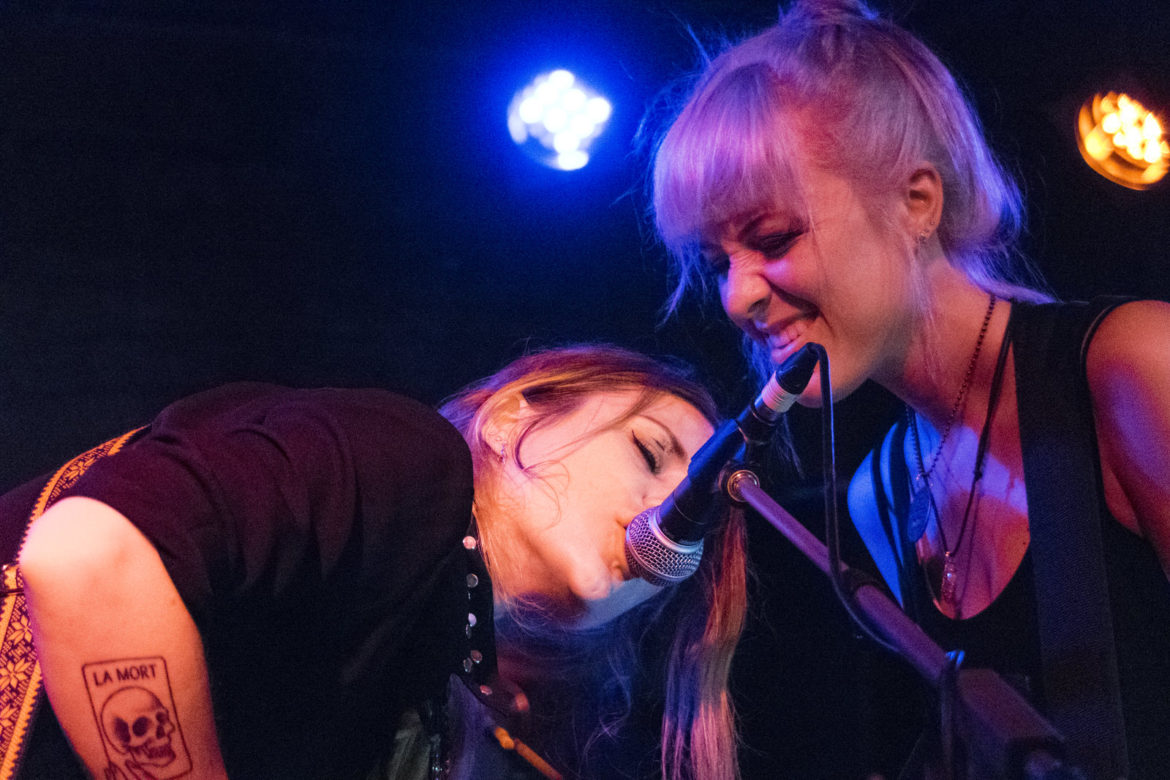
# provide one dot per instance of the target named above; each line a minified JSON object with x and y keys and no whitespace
{"x":503,"y":453}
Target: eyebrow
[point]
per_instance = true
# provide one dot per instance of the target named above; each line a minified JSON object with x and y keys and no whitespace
{"x":674,"y":446}
{"x":753,"y":225}
{"x":786,"y":222}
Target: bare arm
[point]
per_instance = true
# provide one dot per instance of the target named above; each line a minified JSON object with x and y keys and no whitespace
{"x":1129,"y":374}
{"x":121,"y":657}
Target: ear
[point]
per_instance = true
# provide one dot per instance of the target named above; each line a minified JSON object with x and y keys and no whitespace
{"x":500,"y":430}
{"x":923,"y":198}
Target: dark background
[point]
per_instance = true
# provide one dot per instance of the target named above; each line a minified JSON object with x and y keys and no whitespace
{"x":324,"y":193}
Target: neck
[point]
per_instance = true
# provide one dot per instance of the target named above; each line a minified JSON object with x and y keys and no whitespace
{"x":932,"y":375}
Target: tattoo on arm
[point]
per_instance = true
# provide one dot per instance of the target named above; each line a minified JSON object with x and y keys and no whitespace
{"x":137,"y":719}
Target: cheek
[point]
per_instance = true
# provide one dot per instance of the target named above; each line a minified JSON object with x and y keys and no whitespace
{"x":867,"y":342}
{"x":870,"y":292}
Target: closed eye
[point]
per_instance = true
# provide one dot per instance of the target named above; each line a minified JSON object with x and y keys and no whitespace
{"x":776,"y":245}
{"x":653,"y":461}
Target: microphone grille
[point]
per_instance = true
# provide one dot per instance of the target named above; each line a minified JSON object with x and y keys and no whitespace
{"x":655,"y":558}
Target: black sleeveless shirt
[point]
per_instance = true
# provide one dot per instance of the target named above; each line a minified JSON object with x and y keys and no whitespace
{"x":1005,"y":636}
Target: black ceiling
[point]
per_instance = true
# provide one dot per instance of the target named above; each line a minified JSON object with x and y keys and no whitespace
{"x":317,"y":192}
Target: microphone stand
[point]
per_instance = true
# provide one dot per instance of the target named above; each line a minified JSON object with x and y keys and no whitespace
{"x":1003,"y":734}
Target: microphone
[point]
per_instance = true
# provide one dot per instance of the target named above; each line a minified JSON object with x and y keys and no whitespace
{"x":664,"y":544}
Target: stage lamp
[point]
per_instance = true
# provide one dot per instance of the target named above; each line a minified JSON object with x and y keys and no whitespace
{"x":1123,"y":141}
{"x":555,"y":119}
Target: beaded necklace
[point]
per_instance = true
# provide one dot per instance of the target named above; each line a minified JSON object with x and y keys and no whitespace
{"x":926,"y":504}
{"x":921,"y":499}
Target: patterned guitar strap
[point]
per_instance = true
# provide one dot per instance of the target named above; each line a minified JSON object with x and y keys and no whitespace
{"x":20,"y":673}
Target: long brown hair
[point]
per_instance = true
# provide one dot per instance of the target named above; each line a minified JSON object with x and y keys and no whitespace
{"x":702,"y":616}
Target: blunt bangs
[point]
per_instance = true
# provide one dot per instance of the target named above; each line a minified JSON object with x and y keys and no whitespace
{"x":726,"y":157}
{"x":844,"y":90}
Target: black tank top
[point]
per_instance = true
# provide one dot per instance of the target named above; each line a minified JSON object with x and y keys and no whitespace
{"x":1005,"y":636}
{"x":1001,"y":637}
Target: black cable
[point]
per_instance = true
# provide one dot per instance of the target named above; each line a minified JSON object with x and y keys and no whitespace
{"x":843,"y":589}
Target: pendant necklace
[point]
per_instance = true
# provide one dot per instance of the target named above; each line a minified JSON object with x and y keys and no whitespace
{"x":924,"y":505}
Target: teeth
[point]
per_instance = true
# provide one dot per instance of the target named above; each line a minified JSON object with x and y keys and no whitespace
{"x":787,"y":336}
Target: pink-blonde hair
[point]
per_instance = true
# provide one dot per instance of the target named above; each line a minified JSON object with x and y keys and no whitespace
{"x":863,"y":99}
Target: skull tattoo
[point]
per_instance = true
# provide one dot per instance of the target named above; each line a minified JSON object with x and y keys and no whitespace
{"x":138,"y":724}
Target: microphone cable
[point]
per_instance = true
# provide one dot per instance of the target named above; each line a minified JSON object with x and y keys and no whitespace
{"x":845,"y":580}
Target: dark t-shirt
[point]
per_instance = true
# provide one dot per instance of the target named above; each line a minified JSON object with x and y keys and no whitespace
{"x":314,"y":537}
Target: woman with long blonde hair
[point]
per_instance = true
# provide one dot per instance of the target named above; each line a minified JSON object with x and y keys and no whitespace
{"x":829,"y":179}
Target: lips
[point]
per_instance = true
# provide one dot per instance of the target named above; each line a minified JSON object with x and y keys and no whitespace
{"x":783,"y":336}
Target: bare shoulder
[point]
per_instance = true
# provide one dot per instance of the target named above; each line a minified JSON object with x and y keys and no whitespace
{"x":76,"y":538}
{"x":1128,"y":367}
{"x":1137,"y":328}
{"x":1128,"y":363}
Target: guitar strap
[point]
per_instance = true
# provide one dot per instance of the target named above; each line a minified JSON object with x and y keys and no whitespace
{"x":20,"y":673}
{"x":1063,"y":482}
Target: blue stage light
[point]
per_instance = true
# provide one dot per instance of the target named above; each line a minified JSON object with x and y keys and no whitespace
{"x":556,"y":118}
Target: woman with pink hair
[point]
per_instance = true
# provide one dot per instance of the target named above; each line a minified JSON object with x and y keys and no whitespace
{"x":829,"y":179}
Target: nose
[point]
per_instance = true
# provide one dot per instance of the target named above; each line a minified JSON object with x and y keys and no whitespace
{"x":647,"y":503}
{"x":658,"y":493}
{"x":744,"y":292}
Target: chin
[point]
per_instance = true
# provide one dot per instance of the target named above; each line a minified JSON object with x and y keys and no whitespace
{"x":811,"y":397}
{"x":594,"y":589}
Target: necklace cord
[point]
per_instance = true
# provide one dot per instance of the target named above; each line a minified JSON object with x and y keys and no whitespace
{"x":993,"y":401}
{"x":924,"y":471}
{"x":984,"y":442}
{"x":949,"y":580}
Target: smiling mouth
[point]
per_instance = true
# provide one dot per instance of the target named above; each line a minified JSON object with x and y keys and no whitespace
{"x":782,"y":341}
